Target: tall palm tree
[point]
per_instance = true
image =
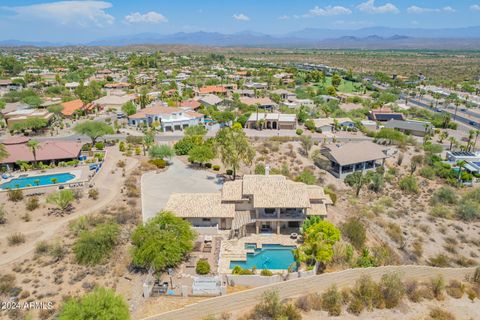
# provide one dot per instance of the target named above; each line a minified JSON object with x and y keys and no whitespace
{"x":33,"y":145}
{"x":477,"y":133}
{"x":471,"y":133}
{"x":461,"y":165}
{"x":452,"y":142}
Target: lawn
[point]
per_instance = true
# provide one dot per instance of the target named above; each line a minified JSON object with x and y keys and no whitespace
{"x":346,"y":86}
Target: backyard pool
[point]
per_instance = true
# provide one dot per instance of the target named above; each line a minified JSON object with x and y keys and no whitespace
{"x":270,"y":256}
{"x":37,"y":181}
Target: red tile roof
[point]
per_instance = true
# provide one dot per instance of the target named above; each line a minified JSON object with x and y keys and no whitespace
{"x":71,"y":106}
{"x":47,"y":150}
{"x":194,"y":104}
{"x":212,"y":89}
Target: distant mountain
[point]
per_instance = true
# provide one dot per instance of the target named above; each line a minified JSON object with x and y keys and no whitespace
{"x":366,"y":38}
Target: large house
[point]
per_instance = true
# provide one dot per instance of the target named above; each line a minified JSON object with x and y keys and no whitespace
{"x":75,"y":106}
{"x":22,"y":115}
{"x":413,"y":127}
{"x":170,"y":118}
{"x":355,"y":156}
{"x":255,"y":204}
{"x":113,"y":101}
{"x":328,"y":124}
{"x":384,"y":114}
{"x":46,"y":152}
{"x":274,"y":121}
{"x":262,"y":103}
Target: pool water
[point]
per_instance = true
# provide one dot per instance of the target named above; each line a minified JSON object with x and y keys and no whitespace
{"x":270,"y":256}
{"x":37,"y":181}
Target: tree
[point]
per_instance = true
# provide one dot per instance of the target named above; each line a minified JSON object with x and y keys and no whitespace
{"x":56,"y":110}
{"x":93,"y":129}
{"x":356,"y":180}
{"x":129,"y":108}
{"x":414,"y":162}
{"x":234,"y":148}
{"x":162,"y":242}
{"x":89,"y":93}
{"x":148,"y":141}
{"x":201,"y":154}
{"x":62,"y":199}
{"x":195,"y":131}
{"x":161,"y":152}
{"x":34,"y":123}
{"x":336,"y":80}
{"x":92,"y":247}
{"x":319,"y":239}
{"x":452,"y":142}
{"x":101,"y":303}
{"x":307,"y":143}
{"x":307,"y":177}
{"x":33,"y":146}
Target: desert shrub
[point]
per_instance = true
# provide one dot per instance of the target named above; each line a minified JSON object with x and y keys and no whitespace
{"x":355,"y":231}
{"x":93,"y":193}
{"x":203,"y":267}
{"x":266,"y":272}
{"x":437,"y":286}
{"x":368,"y":292}
{"x":444,"y":195}
{"x":42,"y":248}
{"x":159,"y":163}
{"x":304,"y":303}
{"x":57,"y":252}
{"x":413,"y":291}
{"x":439,"y":314}
{"x":3,"y":219}
{"x":468,"y":210}
{"x":440,"y":260}
{"x":229,"y":172}
{"x":315,"y":301}
{"x":32,"y":203}
{"x":260,"y":168}
{"x":332,"y":301}
{"x":62,"y":199}
{"x":15,"y":195}
{"x":7,"y":283}
{"x":299,"y":132}
{"x":99,"y":145}
{"x":270,"y":307}
{"x":409,"y":184}
{"x":427,"y":172}
{"x":393,"y":289}
{"x":16,"y":239}
{"x":476,"y":275}
{"x":101,"y":303}
{"x":330,"y":192}
{"x":356,"y":306}
{"x":455,"y":289}
{"x":216,"y":167}
{"x":395,"y":233}
{"x":242,"y":272}
{"x":441,"y":211}
{"x":92,"y":247}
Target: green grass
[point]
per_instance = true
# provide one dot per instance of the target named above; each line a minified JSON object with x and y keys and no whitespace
{"x":346,"y":86}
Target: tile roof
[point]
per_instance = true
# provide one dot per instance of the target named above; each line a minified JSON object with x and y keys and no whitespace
{"x":47,"y":150}
{"x":199,"y":205}
{"x":70,"y":107}
{"x":356,"y":152}
{"x":212,"y":89}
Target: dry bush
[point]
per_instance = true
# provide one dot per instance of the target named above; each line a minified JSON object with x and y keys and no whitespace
{"x":437,"y":286}
{"x":304,"y":303}
{"x":455,"y":289}
{"x":392,"y":289}
{"x":315,"y":301}
{"x":413,"y":291}
{"x":332,"y":301}
{"x":440,"y":260}
{"x":16,"y":239}
{"x":395,"y":233}
{"x":32,"y":203}
{"x":439,"y":314}
{"x":7,"y":283}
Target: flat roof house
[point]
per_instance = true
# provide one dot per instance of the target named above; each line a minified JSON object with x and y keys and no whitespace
{"x":22,"y":115}
{"x":170,"y":118}
{"x":385,"y":114}
{"x":275,"y":121}
{"x":257,"y":203}
{"x":262,"y":103}
{"x":327,"y":124}
{"x":355,"y":156}
{"x":413,"y":127}
{"x":113,"y":101}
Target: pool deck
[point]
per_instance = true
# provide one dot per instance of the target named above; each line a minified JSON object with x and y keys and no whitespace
{"x":81,"y":174}
{"x":234,"y":250}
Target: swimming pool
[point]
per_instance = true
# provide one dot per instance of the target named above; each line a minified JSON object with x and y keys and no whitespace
{"x":37,"y":181}
{"x":270,"y":256}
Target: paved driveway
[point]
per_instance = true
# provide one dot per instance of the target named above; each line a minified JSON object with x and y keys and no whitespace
{"x":179,"y":178}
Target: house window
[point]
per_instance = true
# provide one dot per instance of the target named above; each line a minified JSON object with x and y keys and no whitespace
{"x":206,"y":219}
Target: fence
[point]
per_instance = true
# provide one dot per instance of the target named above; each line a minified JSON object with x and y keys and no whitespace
{"x":301,"y":286}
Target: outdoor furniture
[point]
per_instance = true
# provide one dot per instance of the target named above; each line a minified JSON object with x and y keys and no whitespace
{"x":293,"y":235}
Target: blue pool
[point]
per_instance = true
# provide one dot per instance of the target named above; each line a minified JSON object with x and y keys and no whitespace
{"x":37,"y":181}
{"x":270,"y":256}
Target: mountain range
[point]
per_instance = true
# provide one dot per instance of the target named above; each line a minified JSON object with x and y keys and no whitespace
{"x":365,"y":38}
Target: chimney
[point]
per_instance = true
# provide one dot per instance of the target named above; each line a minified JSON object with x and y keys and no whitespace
{"x":267,"y":170}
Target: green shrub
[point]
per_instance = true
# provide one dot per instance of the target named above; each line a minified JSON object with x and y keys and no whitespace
{"x":409,"y":184}
{"x":208,"y":165}
{"x":216,"y":167}
{"x":184,"y":145}
{"x":3,"y":219}
{"x":159,"y":163}
{"x":92,"y":247}
{"x":392,"y":288}
{"x":260,"y":169}
{"x":332,"y":301}
{"x":32,"y":203}
{"x":203,"y":267}
{"x":229,"y":172}
{"x":93,"y":193}
{"x":299,"y":132}
{"x":441,"y":211}
{"x":444,"y":195}
{"x":468,"y":210}
{"x":266,"y":272}
{"x":439,"y":314}
{"x":270,"y":307}
{"x":307,"y":177}
{"x":101,"y":303}
{"x":437,"y":285}
{"x":330,"y":192}
{"x":427,"y":172}
{"x":99,"y":145}
{"x":355,"y":231}
{"x":368,"y":292}
{"x":440,"y":260}
{"x":42,"y":247}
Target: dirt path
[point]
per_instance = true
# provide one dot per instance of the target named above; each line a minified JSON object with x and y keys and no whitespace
{"x":109,"y":186}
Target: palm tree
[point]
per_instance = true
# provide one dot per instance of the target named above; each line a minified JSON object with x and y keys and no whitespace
{"x":471,"y":133}
{"x":461,"y":165}
{"x":452,"y":142}
{"x":457,"y":102}
{"x":33,"y":145}
{"x":477,"y":133}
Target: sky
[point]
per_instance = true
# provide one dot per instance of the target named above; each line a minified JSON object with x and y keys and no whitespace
{"x":87,"y":20}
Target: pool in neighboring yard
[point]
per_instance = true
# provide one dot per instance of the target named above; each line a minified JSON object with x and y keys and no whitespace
{"x":35,"y":181}
{"x":270,"y":256}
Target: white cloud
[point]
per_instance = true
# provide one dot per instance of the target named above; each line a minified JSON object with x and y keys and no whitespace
{"x":369,"y":6}
{"x":240,"y":17}
{"x":475,"y":7}
{"x":80,"y":13}
{"x":328,"y":11}
{"x":284,"y":17}
{"x":149,"y":17}
{"x":418,"y":10}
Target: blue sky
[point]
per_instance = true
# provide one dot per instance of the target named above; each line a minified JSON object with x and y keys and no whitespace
{"x":84,"y":20}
